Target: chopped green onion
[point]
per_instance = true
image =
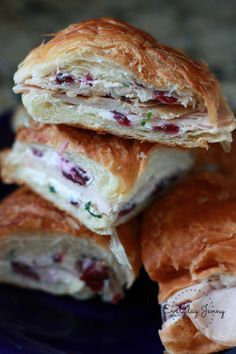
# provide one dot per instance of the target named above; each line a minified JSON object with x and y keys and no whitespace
{"x":88,"y":208}
{"x":125,"y":85}
{"x":51,"y":189}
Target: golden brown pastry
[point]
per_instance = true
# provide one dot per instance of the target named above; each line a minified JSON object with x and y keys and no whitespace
{"x":101,"y":180}
{"x":44,"y":248}
{"x":108,"y":76}
{"x":188,"y":246}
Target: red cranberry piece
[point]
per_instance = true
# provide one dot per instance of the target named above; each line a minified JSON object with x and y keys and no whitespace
{"x":116,"y":298}
{"x":168,"y":128}
{"x":58,"y":257}
{"x":37,"y":152}
{"x":74,"y":173}
{"x":127,"y":208}
{"x":25,"y":270}
{"x":163,"y":97}
{"x":93,"y":273}
{"x":121,"y":119}
{"x":62,"y":78}
{"x":87,"y":79}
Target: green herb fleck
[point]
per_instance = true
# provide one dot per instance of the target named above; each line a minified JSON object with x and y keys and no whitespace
{"x":144,"y":121}
{"x":125,"y":85}
{"x":149,"y":115}
{"x":51,"y":189}
{"x":88,"y":208}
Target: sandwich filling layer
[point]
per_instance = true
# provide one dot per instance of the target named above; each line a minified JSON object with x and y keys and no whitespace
{"x":89,"y":189}
{"x":125,"y":102}
{"x":61,"y":265}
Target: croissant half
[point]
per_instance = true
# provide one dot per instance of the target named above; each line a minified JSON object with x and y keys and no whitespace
{"x":44,"y":248}
{"x":108,"y":76}
{"x":101,"y":180}
{"x":188,"y":247}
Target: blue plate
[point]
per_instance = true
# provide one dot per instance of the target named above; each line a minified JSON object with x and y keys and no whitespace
{"x":32,"y":322}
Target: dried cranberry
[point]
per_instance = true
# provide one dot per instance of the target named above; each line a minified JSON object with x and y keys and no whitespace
{"x":121,"y":119}
{"x":87,"y":79}
{"x":37,"y":152}
{"x":74,"y":173}
{"x":58,"y":257}
{"x":116,"y":298}
{"x":62,"y":78}
{"x":163,"y":97}
{"x":127,"y":208}
{"x":167,"y":128}
{"x":25,"y":270}
{"x":93,"y":272}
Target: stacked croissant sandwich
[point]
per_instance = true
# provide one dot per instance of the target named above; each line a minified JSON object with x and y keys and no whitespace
{"x":113,"y":120}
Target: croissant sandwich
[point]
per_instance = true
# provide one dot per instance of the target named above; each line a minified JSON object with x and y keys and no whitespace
{"x":44,"y":248}
{"x":108,"y":76}
{"x":101,"y":180}
{"x":188,"y":246}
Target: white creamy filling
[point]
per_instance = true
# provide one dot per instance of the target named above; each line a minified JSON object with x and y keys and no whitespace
{"x":188,"y":123}
{"x":141,"y":118}
{"x":105,"y":86}
{"x":195,"y":121}
{"x":46,"y":172}
{"x":51,"y":265}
